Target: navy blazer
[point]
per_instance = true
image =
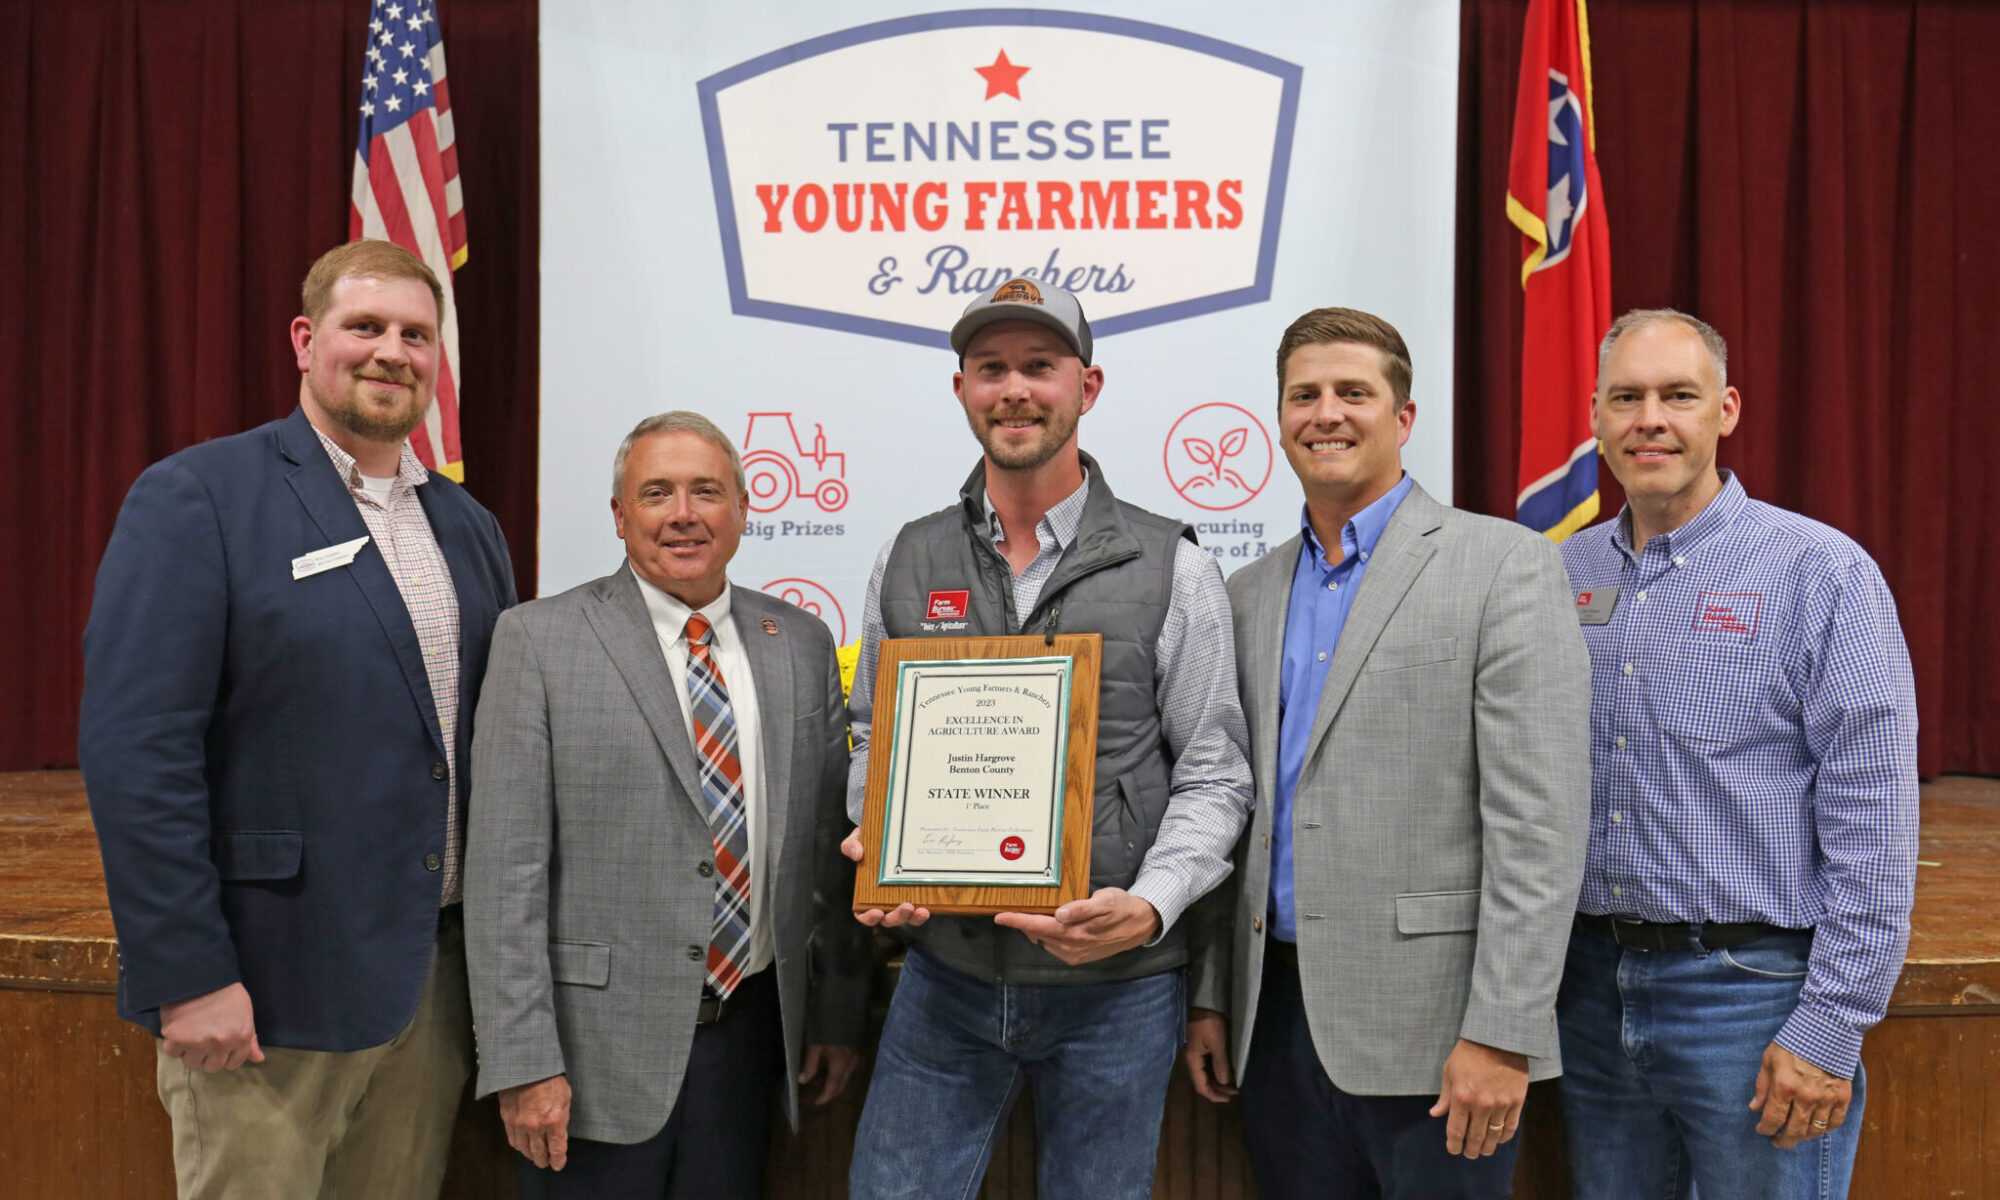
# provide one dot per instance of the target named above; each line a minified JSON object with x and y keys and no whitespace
{"x":262,"y":754}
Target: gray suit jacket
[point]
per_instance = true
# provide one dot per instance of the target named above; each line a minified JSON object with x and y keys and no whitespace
{"x":1440,"y":820}
{"x":587,"y":914}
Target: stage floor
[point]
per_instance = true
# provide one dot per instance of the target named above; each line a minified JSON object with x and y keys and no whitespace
{"x":78,"y":1083}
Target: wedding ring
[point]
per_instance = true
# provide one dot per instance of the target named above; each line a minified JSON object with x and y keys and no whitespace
{"x":1821,"y":1125}
{"x":1502,"y":1125}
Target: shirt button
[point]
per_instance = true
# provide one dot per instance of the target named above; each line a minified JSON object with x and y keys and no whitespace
{"x":1627,"y":668}
{"x":1621,"y":743}
{"x":1641,"y":597}
{"x":1617,"y":819}
{"x":1364,"y":556}
{"x":1616,"y":890}
{"x":695,"y":953}
{"x":1679,"y":561}
{"x":1334,"y":586}
{"x":432,"y":862}
{"x":440,"y":771}
{"x":1322,"y":656}
{"x":704,"y":868}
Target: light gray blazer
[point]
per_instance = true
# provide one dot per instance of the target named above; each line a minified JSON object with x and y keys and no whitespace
{"x":587,"y":914}
{"x":1440,"y":820}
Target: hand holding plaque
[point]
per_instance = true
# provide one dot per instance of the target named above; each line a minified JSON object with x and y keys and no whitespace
{"x":980,"y":774}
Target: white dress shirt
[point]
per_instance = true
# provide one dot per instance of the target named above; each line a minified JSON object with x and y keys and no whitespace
{"x":670,"y":619}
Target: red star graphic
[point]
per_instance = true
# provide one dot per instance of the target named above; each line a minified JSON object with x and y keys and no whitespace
{"x":1003,"y":78}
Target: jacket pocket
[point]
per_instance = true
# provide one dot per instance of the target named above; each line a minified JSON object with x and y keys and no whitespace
{"x":245,"y":855}
{"x":1416,"y":654}
{"x":1437,"y":912}
{"x":585,"y":963}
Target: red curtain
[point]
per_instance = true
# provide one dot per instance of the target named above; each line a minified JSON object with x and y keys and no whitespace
{"x":168,"y":171}
{"x":1817,"y":180}
{"x":1814,"y":178}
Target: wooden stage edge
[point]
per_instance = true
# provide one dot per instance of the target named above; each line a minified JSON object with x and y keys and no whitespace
{"x":77,"y":1085}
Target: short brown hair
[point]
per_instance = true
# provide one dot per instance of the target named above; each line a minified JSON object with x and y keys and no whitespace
{"x":365,"y":259}
{"x":1324,"y":325}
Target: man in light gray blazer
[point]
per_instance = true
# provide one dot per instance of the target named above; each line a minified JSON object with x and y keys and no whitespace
{"x":1389,"y":946}
{"x":656,"y":927}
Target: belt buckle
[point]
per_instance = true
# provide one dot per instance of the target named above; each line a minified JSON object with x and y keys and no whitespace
{"x":709,"y":1012}
{"x":1617,"y":922}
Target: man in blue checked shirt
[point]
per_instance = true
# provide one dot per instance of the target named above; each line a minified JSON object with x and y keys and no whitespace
{"x":1753,"y":826}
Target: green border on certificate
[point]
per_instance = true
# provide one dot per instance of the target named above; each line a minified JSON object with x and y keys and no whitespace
{"x":978,"y":760}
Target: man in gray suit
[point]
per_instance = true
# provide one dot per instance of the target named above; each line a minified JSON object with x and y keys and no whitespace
{"x":1418,"y":698}
{"x":655,"y":926}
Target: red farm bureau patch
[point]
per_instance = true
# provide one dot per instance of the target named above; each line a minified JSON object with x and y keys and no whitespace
{"x":949,"y":605}
{"x":1012,"y":848}
{"x":1582,"y":598}
{"x":1728,"y":612}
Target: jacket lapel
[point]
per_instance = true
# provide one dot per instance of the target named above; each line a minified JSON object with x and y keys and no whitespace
{"x":1261,"y":653}
{"x":617,"y":614}
{"x":777,"y":706}
{"x":328,"y":502}
{"x":1398,"y":559}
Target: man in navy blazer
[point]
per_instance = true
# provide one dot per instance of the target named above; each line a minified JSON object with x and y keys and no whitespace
{"x":283,"y":656}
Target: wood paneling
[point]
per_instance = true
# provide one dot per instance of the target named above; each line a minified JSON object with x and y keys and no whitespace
{"x":77,"y":1098}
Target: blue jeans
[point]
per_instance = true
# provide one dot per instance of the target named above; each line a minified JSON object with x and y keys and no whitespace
{"x":1660,"y":1057}
{"x":956,"y":1051}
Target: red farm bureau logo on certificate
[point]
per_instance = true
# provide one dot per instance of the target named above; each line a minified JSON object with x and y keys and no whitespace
{"x":1012,"y":848}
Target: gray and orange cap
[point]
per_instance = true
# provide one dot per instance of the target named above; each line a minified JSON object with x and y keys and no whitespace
{"x":1023,"y":299}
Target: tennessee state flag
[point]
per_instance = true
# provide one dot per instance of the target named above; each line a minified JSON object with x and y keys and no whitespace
{"x":1555,"y":199}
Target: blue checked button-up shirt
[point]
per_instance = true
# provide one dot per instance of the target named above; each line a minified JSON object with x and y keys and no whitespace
{"x":1753,"y":748}
{"x":1322,"y":595}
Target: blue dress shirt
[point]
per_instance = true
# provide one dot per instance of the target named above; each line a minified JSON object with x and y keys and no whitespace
{"x":1322,"y":595}
{"x":1753,"y":747}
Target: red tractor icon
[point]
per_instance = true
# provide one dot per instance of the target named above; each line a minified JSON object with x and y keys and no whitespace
{"x":777,"y":473}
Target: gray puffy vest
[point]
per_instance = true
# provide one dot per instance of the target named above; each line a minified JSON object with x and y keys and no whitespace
{"x":1115,"y":579}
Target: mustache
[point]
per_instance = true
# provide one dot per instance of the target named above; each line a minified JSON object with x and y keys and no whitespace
{"x":403,"y":377}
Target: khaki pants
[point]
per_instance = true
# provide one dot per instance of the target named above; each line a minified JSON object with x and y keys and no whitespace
{"x":373,"y":1124}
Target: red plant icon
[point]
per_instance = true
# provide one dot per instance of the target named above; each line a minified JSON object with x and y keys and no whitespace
{"x":1217,"y":456}
{"x":1226,"y":447}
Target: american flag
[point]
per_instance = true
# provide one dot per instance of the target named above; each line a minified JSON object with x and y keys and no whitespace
{"x":406,"y":186}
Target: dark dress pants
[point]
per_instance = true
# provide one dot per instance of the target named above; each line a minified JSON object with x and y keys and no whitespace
{"x":1307,"y":1138}
{"x":718,"y":1138}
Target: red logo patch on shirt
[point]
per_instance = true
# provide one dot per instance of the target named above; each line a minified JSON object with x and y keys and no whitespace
{"x":1728,"y":612}
{"x":1582,"y":599}
{"x":949,"y":605}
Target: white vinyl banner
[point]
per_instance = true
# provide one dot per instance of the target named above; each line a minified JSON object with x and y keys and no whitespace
{"x":771,"y":213}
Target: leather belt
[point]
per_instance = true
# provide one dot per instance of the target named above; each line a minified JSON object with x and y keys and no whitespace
{"x":1671,"y":935}
{"x":714,"y":1008}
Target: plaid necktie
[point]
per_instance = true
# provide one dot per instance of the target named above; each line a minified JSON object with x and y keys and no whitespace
{"x":722,"y":791}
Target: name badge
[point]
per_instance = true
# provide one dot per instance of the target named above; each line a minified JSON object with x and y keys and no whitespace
{"x":1594,"y":605}
{"x":327,"y":559}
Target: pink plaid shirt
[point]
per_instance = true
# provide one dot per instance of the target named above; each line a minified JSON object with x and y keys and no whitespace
{"x":403,"y":534}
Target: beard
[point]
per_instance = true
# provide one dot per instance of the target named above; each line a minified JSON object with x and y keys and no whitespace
{"x":373,"y":423}
{"x":1057,"y":428}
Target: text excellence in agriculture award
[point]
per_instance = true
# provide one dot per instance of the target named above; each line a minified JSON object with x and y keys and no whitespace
{"x":982,"y":757}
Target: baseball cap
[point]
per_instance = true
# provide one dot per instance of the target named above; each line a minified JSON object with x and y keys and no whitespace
{"x":1023,"y":299}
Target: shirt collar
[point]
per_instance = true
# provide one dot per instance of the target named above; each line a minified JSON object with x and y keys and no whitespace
{"x":670,"y":616}
{"x":409,"y":469}
{"x":1363,"y":530}
{"x":1064,"y":518}
{"x":1679,"y":542}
